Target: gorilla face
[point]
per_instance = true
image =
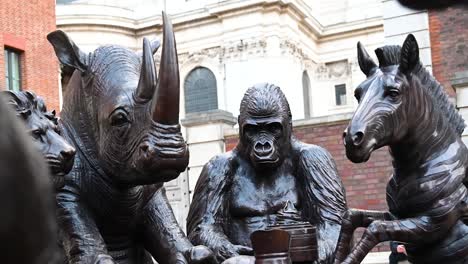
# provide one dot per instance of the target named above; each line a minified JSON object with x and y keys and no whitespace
{"x":264,"y":139}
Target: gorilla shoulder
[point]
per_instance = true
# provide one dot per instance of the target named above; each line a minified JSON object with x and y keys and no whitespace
{"x":311,"y":151}
{"x":220,"y":164}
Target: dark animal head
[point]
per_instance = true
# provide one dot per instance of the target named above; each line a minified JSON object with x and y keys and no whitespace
{"x":125,"y":116}
{"x":394,"y":100}
{"x":43,"y":127}
{"x":264,"y":126}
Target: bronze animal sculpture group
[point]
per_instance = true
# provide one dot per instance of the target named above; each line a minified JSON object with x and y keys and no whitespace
{"x":402,"y":106}
{"x":244,"y":190}
{"x":124,"y":123}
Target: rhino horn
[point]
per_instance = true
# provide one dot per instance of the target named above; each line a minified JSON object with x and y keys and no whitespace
{"x":165,"y":103}
{"x":147,"y":82}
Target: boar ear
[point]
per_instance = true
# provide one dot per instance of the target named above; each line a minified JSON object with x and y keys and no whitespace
{"x":67,"y":51}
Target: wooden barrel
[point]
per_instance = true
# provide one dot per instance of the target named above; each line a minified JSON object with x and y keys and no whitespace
{"x":303,"y":245}
{"x":271,"y":246}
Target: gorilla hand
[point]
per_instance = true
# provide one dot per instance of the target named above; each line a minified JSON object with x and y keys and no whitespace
{"x":229,"y":250}
{"x":200,"y":254}
{"x":104,"y":259}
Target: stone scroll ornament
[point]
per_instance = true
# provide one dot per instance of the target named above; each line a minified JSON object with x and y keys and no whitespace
{"x":124,"y":123}
{"x":246,"y":189}
{"x":27,"y":222}
{"x":402,"y":106}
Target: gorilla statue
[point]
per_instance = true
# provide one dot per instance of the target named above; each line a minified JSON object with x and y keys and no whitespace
{"x":245,"y":189}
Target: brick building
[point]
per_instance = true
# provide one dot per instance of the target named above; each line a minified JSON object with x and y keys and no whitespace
{"x":29,"y":61}
{"x":449,"y":39}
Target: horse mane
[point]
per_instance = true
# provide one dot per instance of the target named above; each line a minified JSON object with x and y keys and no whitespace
{"x":390,"y":55}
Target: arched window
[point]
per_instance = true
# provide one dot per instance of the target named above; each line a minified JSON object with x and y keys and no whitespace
{"x":306,"y":93}
{"x":200,"y":91}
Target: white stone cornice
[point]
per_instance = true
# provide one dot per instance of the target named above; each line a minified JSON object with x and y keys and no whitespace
{"x":81,"y":14}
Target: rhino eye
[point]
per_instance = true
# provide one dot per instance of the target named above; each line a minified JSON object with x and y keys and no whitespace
{"x":119,"y":118}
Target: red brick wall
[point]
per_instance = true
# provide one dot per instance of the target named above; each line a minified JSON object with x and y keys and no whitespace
{"x":364,"y":183}
{"x":449,"y":40}
{"x":24,"y":25}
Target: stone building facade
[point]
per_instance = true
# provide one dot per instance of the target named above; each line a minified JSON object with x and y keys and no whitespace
{"x":225,"y":47}
{"x":28,"y":59}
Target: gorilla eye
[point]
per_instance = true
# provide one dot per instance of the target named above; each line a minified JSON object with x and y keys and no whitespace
{"x":249,"y":129}
{"x":119,"y":118}
{"x":275,"y":128}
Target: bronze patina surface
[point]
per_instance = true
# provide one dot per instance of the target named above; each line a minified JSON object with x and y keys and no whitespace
{"x":245,"y":190}
{"x":402,"y":106}
{"x":124,"y":123}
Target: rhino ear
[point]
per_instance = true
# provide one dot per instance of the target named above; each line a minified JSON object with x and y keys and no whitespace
{"x":409,"y":56}
{"x":67,"y":51}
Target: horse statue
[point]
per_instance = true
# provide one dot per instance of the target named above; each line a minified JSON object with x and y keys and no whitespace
{"x":402,"y":106}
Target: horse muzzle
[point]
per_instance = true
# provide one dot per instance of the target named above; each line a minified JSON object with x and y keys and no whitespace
{"x":358,"y":145}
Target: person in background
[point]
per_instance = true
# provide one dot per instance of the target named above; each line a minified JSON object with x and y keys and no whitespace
{"x":398,"y":253}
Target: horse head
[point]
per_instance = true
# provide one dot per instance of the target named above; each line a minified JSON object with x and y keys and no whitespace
{"x":127,"y":118}
{"x":385,"y":98}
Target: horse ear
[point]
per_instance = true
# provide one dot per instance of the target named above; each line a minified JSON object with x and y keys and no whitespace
{"x":366,"y":63}
{"x":67,"y":51}
{"x":409,"y":56}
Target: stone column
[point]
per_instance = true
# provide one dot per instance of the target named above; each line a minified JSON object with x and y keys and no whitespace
{"x":205,"y":138}
{"x":460,"y":83}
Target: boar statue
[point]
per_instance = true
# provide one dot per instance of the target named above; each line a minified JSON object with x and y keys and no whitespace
{"x":43,"y":127}
{"x":124,"y":123}
{"x":27,"y":223}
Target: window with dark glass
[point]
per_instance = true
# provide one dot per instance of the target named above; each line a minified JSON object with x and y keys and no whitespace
{"x":340,"y":94}
{"x":12,"y":70}
{"x":306,"y":93}
{"x":200,"y":91}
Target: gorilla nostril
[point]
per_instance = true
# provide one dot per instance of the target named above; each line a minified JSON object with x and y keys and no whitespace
{"x":258,"y":147}
{"x":357,"y":138}
{"x":267,"y":146}
{"x":344,"y":134}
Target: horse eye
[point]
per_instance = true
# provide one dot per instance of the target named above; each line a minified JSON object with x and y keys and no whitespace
{"x":119,"y":119}
{"x":394,"y":93}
